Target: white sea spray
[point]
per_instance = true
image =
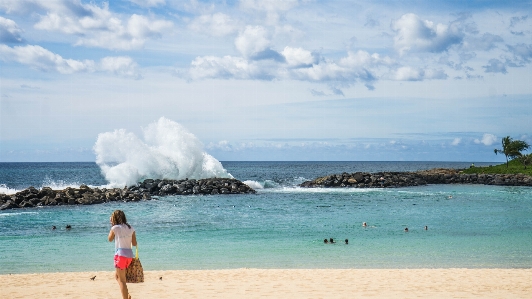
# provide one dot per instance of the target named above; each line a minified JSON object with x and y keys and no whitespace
{"x":254,"y":184}
{"x":6,"y":190}
{"x":166,"y":151}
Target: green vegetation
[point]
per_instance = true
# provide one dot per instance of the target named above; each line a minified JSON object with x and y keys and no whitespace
{"x":512,"y":148}
{"x":513,"y":167}
{"x":525,"y":160}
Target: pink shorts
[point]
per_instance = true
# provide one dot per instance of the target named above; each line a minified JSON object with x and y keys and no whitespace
{"x":122,"y":262}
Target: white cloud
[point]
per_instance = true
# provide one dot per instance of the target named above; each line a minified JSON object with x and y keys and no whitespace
{"x":298,"y":57}
{"x":415,"y":34}
{"x":435,"y":74}
{"x":456,"y":141}
{"x":329,"y":71}
{"x":252,"y":41}
{"x":222,"y":145}
{"x":495,"y":66}
{"x":9,"y":31}
{"x":140,"y":27}
{"x":134,"y":35}
{"x":407,"y":73}
{"x":221,"y":67}
{"x":148,"y":3}
{"x":487,"y":139}
{"x":485,"y":42}
{"x":522,"y":53}
{"x":269,"y":5}
{"x":356,"y":66}
{"x":217,"y":24}
{"x":297,"y":63}
{"x":24,"y":6}
{"x":76,"y":18}
{"x":94,"y":25}
{"x":120,"y":65}
{"x":44,"y":60}
{"x":364,"y":59}
{"x":272,"y":8}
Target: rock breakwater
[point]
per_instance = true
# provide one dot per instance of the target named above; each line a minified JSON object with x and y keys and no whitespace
{"x":418,"y":178}
{"x":84,"y":195}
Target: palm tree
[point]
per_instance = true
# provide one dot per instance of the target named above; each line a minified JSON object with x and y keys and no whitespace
{"x":511,"y":148}
{"x":525,"y":159}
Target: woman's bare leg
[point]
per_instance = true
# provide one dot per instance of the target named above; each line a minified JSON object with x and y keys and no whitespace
{"x":120,"y":276}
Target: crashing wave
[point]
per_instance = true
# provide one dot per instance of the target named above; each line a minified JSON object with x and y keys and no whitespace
{"x":166,"y":151}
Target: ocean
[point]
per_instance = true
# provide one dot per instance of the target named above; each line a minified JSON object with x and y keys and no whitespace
{"x":282,"y":226}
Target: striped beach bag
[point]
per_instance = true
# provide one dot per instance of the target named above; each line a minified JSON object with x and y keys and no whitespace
{"x":135,"y":273}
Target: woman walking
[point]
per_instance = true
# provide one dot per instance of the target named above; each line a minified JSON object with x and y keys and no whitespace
{"x":124,"y":236}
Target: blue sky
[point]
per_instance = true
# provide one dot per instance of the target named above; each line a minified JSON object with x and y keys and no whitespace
{"x":268,"y":80}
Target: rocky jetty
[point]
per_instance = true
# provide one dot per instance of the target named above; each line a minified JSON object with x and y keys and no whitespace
{"x":84,"y":195}
{"x":418,"y":178}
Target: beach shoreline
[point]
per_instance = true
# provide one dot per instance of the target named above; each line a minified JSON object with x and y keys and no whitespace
{"x":278,"y":283}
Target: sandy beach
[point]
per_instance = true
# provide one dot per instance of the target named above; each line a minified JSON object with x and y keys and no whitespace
{"x":279,"y":283}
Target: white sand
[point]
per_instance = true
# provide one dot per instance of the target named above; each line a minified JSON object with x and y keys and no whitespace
{"x":279,"y":283}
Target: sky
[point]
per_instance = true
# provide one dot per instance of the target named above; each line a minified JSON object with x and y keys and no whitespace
{"x":267,"y":80}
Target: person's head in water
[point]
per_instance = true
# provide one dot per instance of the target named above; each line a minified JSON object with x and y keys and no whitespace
{"x":119,"y":217}
{"x":364,"y":224}
{"x":346,"y":241}
{"x":68,"y":226}
{"x":406,"y":229}
{"x":426,"y":227}
{"x":331,"y":240}
{"x":325,"y":241}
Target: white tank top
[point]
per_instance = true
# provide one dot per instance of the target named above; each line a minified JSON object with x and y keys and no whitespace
{"x":123,"y":237}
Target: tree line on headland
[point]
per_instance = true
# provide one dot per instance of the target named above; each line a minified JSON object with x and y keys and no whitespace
{"x":513,"y":173}
{"x":512,"y":149}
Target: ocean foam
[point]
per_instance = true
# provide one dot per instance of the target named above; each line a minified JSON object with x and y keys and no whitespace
{"x":267,"y":184}
{"x":6,"y":190}
{"x":324,"y":190}
{"x":59,"y":184}
{"x":16,"y":214}
{"x":168,"y":151}
{"x":254,"y":184}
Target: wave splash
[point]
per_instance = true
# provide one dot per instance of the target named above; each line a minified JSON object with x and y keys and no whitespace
{"x":4,"y":189}
{"x":167,"y":151}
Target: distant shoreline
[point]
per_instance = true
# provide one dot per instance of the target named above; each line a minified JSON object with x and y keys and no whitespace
{"x":436,"y":176}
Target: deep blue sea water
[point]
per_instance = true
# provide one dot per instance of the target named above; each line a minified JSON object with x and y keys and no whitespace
{"x":282,"y":226}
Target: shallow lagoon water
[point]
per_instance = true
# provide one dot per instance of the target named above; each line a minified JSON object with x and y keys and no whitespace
{"x":283,"y":226}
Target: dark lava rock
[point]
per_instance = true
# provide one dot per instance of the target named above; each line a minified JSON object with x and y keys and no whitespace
{"x":84,"y":195}
{"x":418,"y":178}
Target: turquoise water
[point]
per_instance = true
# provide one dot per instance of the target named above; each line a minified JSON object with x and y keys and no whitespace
{"x":283,"y":226}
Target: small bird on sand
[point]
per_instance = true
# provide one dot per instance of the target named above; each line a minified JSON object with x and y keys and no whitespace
{"x":161,"y":278}
{"x":93,"y":278}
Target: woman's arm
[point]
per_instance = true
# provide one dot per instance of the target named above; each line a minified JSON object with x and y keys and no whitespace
{"x":111,"y":236}
{"x":134,"y":239}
